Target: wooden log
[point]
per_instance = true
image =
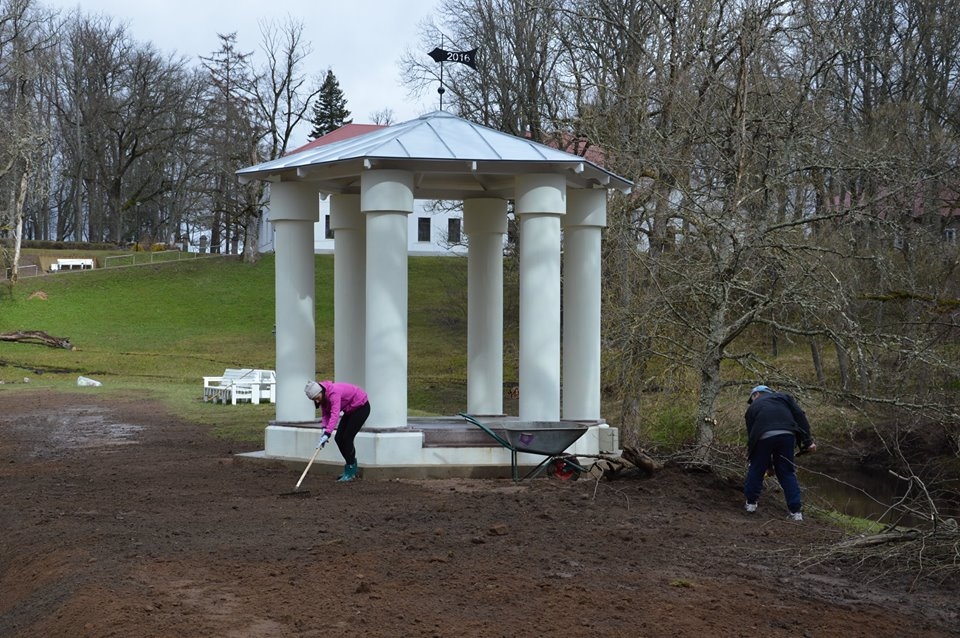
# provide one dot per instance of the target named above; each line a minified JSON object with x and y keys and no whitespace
{"x":631,"y":463}
{"x":880,"y":539}
{"x":37,"y":337}
{"x":641,"y":460}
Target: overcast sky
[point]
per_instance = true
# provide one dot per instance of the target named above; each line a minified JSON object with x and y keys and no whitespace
{"x":360,"y":40}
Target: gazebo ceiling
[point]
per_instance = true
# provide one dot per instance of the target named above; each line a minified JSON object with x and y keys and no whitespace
{"x":450,"y":158}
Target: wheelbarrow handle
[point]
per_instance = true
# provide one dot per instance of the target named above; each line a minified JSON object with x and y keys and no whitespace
{"x":499,"y":439}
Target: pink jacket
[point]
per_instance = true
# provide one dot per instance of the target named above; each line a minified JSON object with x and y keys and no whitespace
{"x":338,"y":397}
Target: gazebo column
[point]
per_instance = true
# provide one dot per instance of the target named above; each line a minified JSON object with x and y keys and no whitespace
{"x":485,"y":223}
{"x":386,"y":199}
{"x":586,"y":216}
{"x":540,"y":202}
{"x":294,"y":208}
{"x":349,"y":286}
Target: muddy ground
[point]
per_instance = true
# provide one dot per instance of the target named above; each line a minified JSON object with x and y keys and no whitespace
{"x":117,"y":520}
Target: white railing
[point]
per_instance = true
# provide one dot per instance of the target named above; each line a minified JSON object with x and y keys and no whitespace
{"x":152,"y":257}
{"x":28,"y":270}
{"x":133,"y":259}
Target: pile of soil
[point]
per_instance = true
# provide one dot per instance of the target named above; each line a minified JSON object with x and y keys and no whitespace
{"x":118,"y":520}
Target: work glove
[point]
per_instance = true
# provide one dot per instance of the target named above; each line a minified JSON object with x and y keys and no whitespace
{"x":323,"y":440}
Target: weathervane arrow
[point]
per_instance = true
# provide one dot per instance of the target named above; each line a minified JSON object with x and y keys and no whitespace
{"x":463,"y":57}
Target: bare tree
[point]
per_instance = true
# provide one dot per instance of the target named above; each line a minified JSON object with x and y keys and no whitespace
{"x":517,"y":86}
{"x":232,"y":141}
{"x":21,"y":138}
{"x":383,"y":117}
{"x":121,"y":106}
{"x":764,"y":200}
{"x":282,"y":96}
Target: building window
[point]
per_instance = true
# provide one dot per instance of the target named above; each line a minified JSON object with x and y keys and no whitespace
{"x":423,"y":229}
{"x":327,"y":231}
{"x":453,"y":230}
{"x":950,"y":234}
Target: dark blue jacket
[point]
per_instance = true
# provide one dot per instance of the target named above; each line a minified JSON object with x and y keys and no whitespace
{"x":776,"y":411}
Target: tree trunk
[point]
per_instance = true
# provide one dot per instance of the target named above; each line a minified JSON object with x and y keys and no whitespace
{"x":18,"y":213}
{"x":710,"y":383}
{"x":251,"y":240}
{"x":843,"y":364}
{"x":817,"y":362}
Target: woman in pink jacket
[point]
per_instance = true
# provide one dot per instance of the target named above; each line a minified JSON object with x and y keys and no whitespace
{"x":332,"y":399}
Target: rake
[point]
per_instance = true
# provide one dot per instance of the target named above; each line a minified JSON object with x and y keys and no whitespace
{"x":296,"y":490}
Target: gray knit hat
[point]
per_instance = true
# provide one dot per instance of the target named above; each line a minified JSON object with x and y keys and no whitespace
{"x":313,"y":390}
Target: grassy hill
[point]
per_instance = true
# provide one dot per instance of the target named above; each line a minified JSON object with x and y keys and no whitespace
{"x":157,"y":329}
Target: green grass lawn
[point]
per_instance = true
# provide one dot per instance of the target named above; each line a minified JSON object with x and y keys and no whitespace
{"x":158,"y":329}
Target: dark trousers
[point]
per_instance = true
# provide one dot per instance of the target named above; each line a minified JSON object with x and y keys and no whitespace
{"x":779,"y":450}
{"x":347,"y":429}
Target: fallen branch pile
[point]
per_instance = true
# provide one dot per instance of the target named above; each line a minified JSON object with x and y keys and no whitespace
{"x":932,"y":555}
{"x":38,"y":337}
{"x":930,"y":551}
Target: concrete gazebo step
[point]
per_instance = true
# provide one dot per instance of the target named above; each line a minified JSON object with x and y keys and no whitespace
{"x":438,"y":431}
{"x":451,"y":431}
{"x":455,"y":434}
{"x":430,"y":447}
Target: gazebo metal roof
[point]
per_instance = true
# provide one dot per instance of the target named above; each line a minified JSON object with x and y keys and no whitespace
{"x":451,"y":158}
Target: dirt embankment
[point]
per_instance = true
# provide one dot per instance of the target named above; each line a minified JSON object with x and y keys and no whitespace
{"x":116,"y":520}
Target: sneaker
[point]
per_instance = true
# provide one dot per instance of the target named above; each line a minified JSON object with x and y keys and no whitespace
{"x":751,"y":507}
{"x":795,"y":516}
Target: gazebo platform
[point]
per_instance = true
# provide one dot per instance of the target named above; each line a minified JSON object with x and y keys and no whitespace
{"x":428,"y":447}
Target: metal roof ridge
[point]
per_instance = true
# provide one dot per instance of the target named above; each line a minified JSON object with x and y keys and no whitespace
{"x":436,"y":136}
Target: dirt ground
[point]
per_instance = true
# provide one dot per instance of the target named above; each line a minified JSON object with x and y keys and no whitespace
{"x":117,"y":520}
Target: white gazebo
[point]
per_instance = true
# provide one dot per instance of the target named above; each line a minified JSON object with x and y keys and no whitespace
{"x":372,"y":181}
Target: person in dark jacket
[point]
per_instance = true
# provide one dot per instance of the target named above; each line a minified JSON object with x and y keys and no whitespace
{"x":776,"y":424}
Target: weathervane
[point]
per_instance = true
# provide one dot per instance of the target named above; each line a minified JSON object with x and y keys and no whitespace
{"x":463,"y":57}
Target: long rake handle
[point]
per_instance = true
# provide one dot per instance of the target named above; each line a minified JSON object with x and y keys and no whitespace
{"x":307,"y":469}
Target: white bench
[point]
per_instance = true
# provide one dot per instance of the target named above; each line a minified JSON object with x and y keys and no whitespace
{"x":268,"y":385}
{"x":241,"y":384}
{"x":72,"y":264}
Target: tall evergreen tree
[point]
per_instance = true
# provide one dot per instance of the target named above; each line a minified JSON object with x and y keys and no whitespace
{"x":330,"y":110}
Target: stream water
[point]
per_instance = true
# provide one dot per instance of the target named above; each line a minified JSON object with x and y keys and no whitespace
{"x":870,"y":496}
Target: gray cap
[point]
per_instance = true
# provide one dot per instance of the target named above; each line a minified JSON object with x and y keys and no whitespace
{"x":759,"y":388}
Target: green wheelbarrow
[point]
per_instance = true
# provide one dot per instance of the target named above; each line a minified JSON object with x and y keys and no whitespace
{"x":546,"y":438}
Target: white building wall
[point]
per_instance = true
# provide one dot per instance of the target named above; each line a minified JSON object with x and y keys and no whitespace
{"x":439,"y":217}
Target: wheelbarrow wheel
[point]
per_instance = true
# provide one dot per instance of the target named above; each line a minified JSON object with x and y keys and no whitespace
{"x":564,"y":469}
